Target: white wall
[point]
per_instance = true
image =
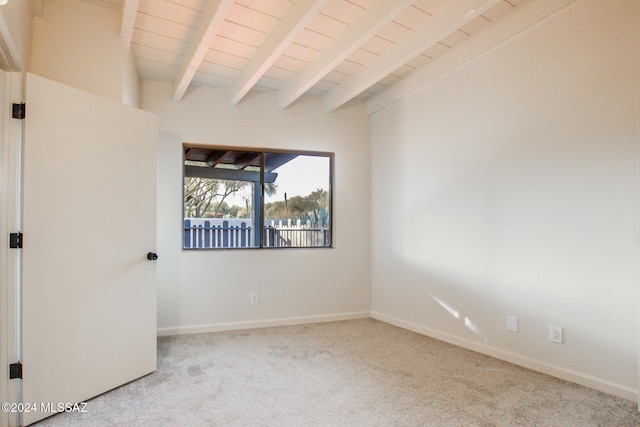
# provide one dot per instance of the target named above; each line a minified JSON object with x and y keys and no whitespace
{"x":17,"y":16}
{"x":209,"y":290}
{"x":513,"y":187}
{"x":79,"y":44}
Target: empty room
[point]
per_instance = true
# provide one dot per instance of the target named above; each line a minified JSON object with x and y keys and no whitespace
{"x":320,"y":212}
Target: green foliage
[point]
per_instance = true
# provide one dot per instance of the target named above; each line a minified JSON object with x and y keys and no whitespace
{"x":313,"y":207}
{"x":318,"y":217}
{"x":270,"y":188}
{"x":207,"y":198}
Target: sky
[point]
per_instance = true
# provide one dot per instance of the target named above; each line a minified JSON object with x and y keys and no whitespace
{"x":301,"y":176}
{"x":298,"y":177}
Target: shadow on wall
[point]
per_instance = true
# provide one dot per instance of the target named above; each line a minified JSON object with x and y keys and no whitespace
{"x":542,"y":238}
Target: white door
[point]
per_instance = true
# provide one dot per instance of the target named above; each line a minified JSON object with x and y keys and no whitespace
{"x":89,"y":219}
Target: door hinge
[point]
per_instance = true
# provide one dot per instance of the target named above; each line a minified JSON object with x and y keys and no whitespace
{"x":15,"y":371}
{"x":19,"y":111}
{"x":15,"y":240}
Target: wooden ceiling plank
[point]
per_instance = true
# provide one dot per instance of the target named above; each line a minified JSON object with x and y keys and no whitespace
{"x":300,"y":52}
{"x":412,"y":17}
{"x":156,"y":55}
{"x":445,"y":21}
{"x":259,"y":21}
{"x":314,"y":40}
{"x":523,"y":18}
{"x":158,"y":67}
{"x":157,"y":41}
{"x":297,"y":17}
{"x":268,"y":82}
{"x":279,"y":73}
{"x":129,"y":12}
{"x":326,"y":25}
{"x":241,"y":33}
{"x":373,"y":48}
{"x":225,"y":59}
{"x":212,"y":18}
{"x":211,"y":80}
{"x":393,"y":32}
{"x":161,"y":26}
{"x":275,"y":8}
{"x":234,"y":47}
{"x":375,"y":18}
{"x":246,"y":160}
{"x":292,"y":64}
{"x":343,"y":11}
{"x":215,"y":157}
{"x":190,"y":152}
{"x":170,"y":11}
{"x":348,"y":67}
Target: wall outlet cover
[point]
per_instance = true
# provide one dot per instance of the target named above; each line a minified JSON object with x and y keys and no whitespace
{"x":556,"y":334}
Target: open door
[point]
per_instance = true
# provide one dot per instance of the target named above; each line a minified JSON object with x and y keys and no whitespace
{"x":89,"y":220}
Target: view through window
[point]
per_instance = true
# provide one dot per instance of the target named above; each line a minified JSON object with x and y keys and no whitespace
{"x":248,"y":198}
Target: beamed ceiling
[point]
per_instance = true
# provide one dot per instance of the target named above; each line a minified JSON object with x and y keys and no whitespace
{"x":342,"y":50}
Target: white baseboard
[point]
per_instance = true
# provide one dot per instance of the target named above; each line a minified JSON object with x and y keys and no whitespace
{"x":517,"y":359}
{"x":234,"y":326}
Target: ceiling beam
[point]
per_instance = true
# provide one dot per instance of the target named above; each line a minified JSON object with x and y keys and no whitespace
{"x":296,"y":18}
{"x":228,"y":174}
{"x":523,"y":18}
{"x":381,"y":13}
{"x":275,"y":160}
{"x":215,"y":157}
{"x":210,"y":22}
{"x":129,"y":12}
{"x":445,"y":21}
{"x":246,"y":159}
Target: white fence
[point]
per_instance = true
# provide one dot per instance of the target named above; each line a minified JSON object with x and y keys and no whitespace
{"x":238,"y":233}
{"x":290,"y":233}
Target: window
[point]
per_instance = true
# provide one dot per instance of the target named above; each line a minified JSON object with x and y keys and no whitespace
{"x":254,"y":198}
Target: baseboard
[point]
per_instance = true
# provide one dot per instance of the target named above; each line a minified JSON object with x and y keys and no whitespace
{"x":517,"y":359}
{"x":234,"y":326}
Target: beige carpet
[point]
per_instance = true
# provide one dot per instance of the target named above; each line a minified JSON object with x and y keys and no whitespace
{"x":353,"y":373}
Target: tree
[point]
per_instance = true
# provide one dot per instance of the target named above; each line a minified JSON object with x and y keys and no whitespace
{"x":313,"y":207}
{"x":205,"y":198}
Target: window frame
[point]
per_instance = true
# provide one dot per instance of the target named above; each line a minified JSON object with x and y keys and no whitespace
{"x":260,"y":221}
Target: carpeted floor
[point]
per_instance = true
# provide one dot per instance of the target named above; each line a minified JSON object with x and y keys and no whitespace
{"x":352,"y":373}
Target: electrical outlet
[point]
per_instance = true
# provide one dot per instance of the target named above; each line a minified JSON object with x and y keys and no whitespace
{"x":555,"y":334}
{"x":253,"y":298}
{"x":512,"y":323}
